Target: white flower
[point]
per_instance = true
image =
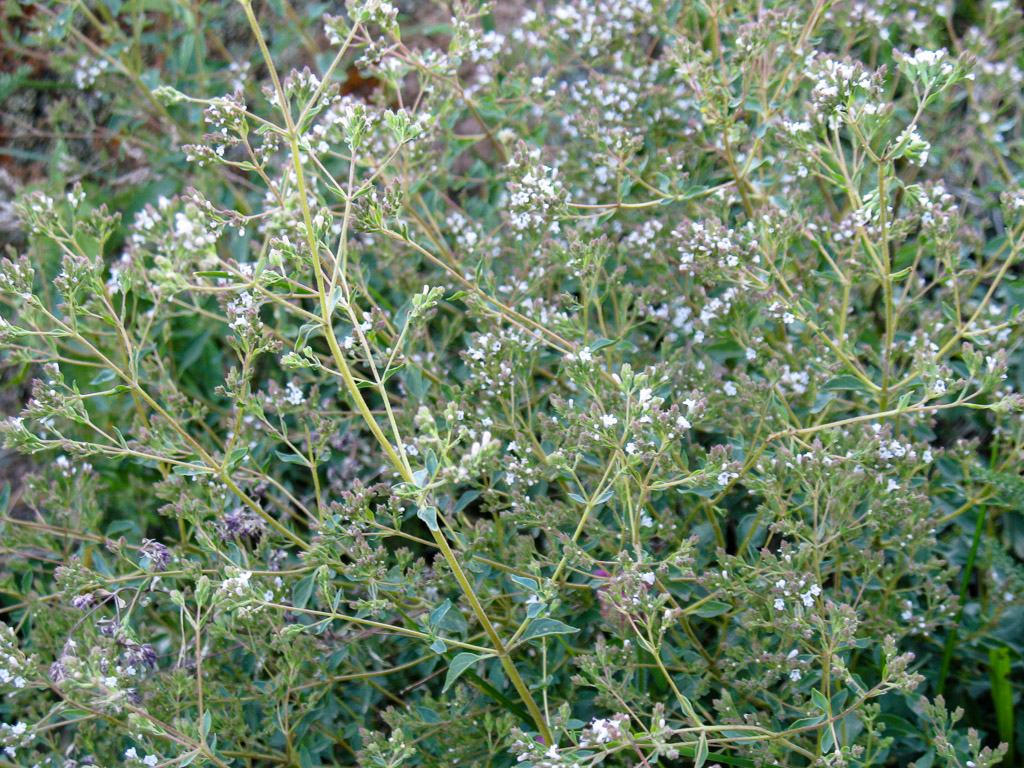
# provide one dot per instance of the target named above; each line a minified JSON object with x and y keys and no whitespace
{"x":601,"y":731}
{"x":609,"y":420}
{"x":151,"y":760}
{"x":294,"y":394}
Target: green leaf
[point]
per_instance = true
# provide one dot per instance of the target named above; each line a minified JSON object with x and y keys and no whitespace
{"x":438,"y":613}
{"x":465,"y":500}
{"x":704,"y":493}
{"x":601,"y":344}
{"x":303,"y":591}
{"x":544,"y":627}
{"x":120,"y":526}
{"x":103,"y":377}
{"x":822,"y":401}
{"x":806,"y":722}
{"x":415,"y":382}
{"x":820,"y":701}
{"x":1002,"y":695}
{"x":712,"y":608}
{"x":187,"y":471}
{"x":845,"y":382}
{"x":460,"y":664}
{"x":237,"y":455}
{"x":5,"y":498}
{"x":702,"y":751}
{"x":429,"y":716}
{"x":429,"y":516}
{"x":291,"y":458}
{"x":525,"y":582}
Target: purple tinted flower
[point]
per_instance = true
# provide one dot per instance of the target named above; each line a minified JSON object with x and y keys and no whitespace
{"x":157,"y":553}
{"x":139,"y":655}
{"x":241,"y":523}
{"x":82,"y":602}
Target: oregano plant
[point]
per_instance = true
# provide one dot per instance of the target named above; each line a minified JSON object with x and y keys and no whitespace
{"x":561,"y":384}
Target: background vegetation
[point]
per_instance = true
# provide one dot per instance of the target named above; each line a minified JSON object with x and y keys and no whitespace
{"x":620,"y":383}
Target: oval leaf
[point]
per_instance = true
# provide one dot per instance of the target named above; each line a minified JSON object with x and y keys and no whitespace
{"x":460,"y":664}
{"x":543,"y":627}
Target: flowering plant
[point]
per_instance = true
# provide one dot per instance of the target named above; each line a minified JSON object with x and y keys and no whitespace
{"x":611,"y":382}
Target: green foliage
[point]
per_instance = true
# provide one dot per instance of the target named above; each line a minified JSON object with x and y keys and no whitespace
{"x":620,"y":383}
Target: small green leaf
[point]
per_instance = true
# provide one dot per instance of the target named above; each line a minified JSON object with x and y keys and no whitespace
{"x":712,"y":608}
{"x":526,"y":582}
{"x":701,"y":756}
{"x":237,"y":455}
{"x":189,"y":471}
{"x":704,"y":493}
{"x":429,"y":716}
{"x":902,"y":274}
{"x":533,"y":610}
{"x":1002,"y":695}
{"x":822,"y":401}
{"x":544,"y":627}
{"x":465,"y":500}
{"x":291,"y":458}
{"x":819,"y":700}
{"x":460,"y":664}
{"x":303,"y":590}
{"x":429,"y":516}
{"x":438,"y":613}
{"x":844,"y":382}
{"x":120,"y":526}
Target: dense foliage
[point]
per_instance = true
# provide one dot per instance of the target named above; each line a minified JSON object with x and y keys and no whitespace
{"x":620,"y":382}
